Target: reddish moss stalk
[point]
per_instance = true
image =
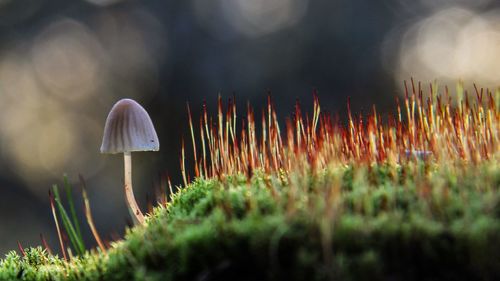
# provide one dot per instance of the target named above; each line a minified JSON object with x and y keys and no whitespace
{"x":431,"y":127}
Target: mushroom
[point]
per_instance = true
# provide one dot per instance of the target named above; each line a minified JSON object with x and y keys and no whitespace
{"x":129,"y":128}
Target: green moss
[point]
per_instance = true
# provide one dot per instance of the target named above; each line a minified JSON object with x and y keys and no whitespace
{"x":346,"y":223}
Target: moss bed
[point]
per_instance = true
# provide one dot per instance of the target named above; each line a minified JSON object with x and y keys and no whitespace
{"x":416,"y":221}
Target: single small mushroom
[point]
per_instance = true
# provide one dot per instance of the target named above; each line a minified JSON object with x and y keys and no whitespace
{"x":129,"y":128}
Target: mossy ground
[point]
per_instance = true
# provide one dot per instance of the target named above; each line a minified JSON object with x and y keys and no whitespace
{"x":417,"y":221}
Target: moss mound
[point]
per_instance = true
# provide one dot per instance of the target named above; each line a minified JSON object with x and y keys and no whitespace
{"x":355,"y":222}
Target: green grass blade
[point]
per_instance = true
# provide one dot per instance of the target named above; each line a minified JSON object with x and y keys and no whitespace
{"x":70,"y":230}
{"x":62,"y":211}
{"x":74,"y":218}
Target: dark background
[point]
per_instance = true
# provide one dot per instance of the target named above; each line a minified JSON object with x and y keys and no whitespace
{"x":64,"y":63}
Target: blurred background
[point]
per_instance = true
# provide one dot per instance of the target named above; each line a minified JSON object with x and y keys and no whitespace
{"x":63,"y":64}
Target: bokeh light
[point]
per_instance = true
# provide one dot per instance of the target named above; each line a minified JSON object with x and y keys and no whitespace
{"x":250,"y":18}
{"x":68,"y":60}
{"x":452,"y":44}
{"x":57,"y":86}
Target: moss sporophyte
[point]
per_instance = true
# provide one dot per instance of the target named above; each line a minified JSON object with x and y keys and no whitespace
{"x":413,"y":198}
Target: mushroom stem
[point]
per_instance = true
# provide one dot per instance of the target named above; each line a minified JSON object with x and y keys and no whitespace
{"x":134,"y":210}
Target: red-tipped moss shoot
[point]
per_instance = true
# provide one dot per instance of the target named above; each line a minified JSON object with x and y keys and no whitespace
{"x":129,"y":128}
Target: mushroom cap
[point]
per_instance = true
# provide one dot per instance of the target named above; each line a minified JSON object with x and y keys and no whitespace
{"x":129,"y":128}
